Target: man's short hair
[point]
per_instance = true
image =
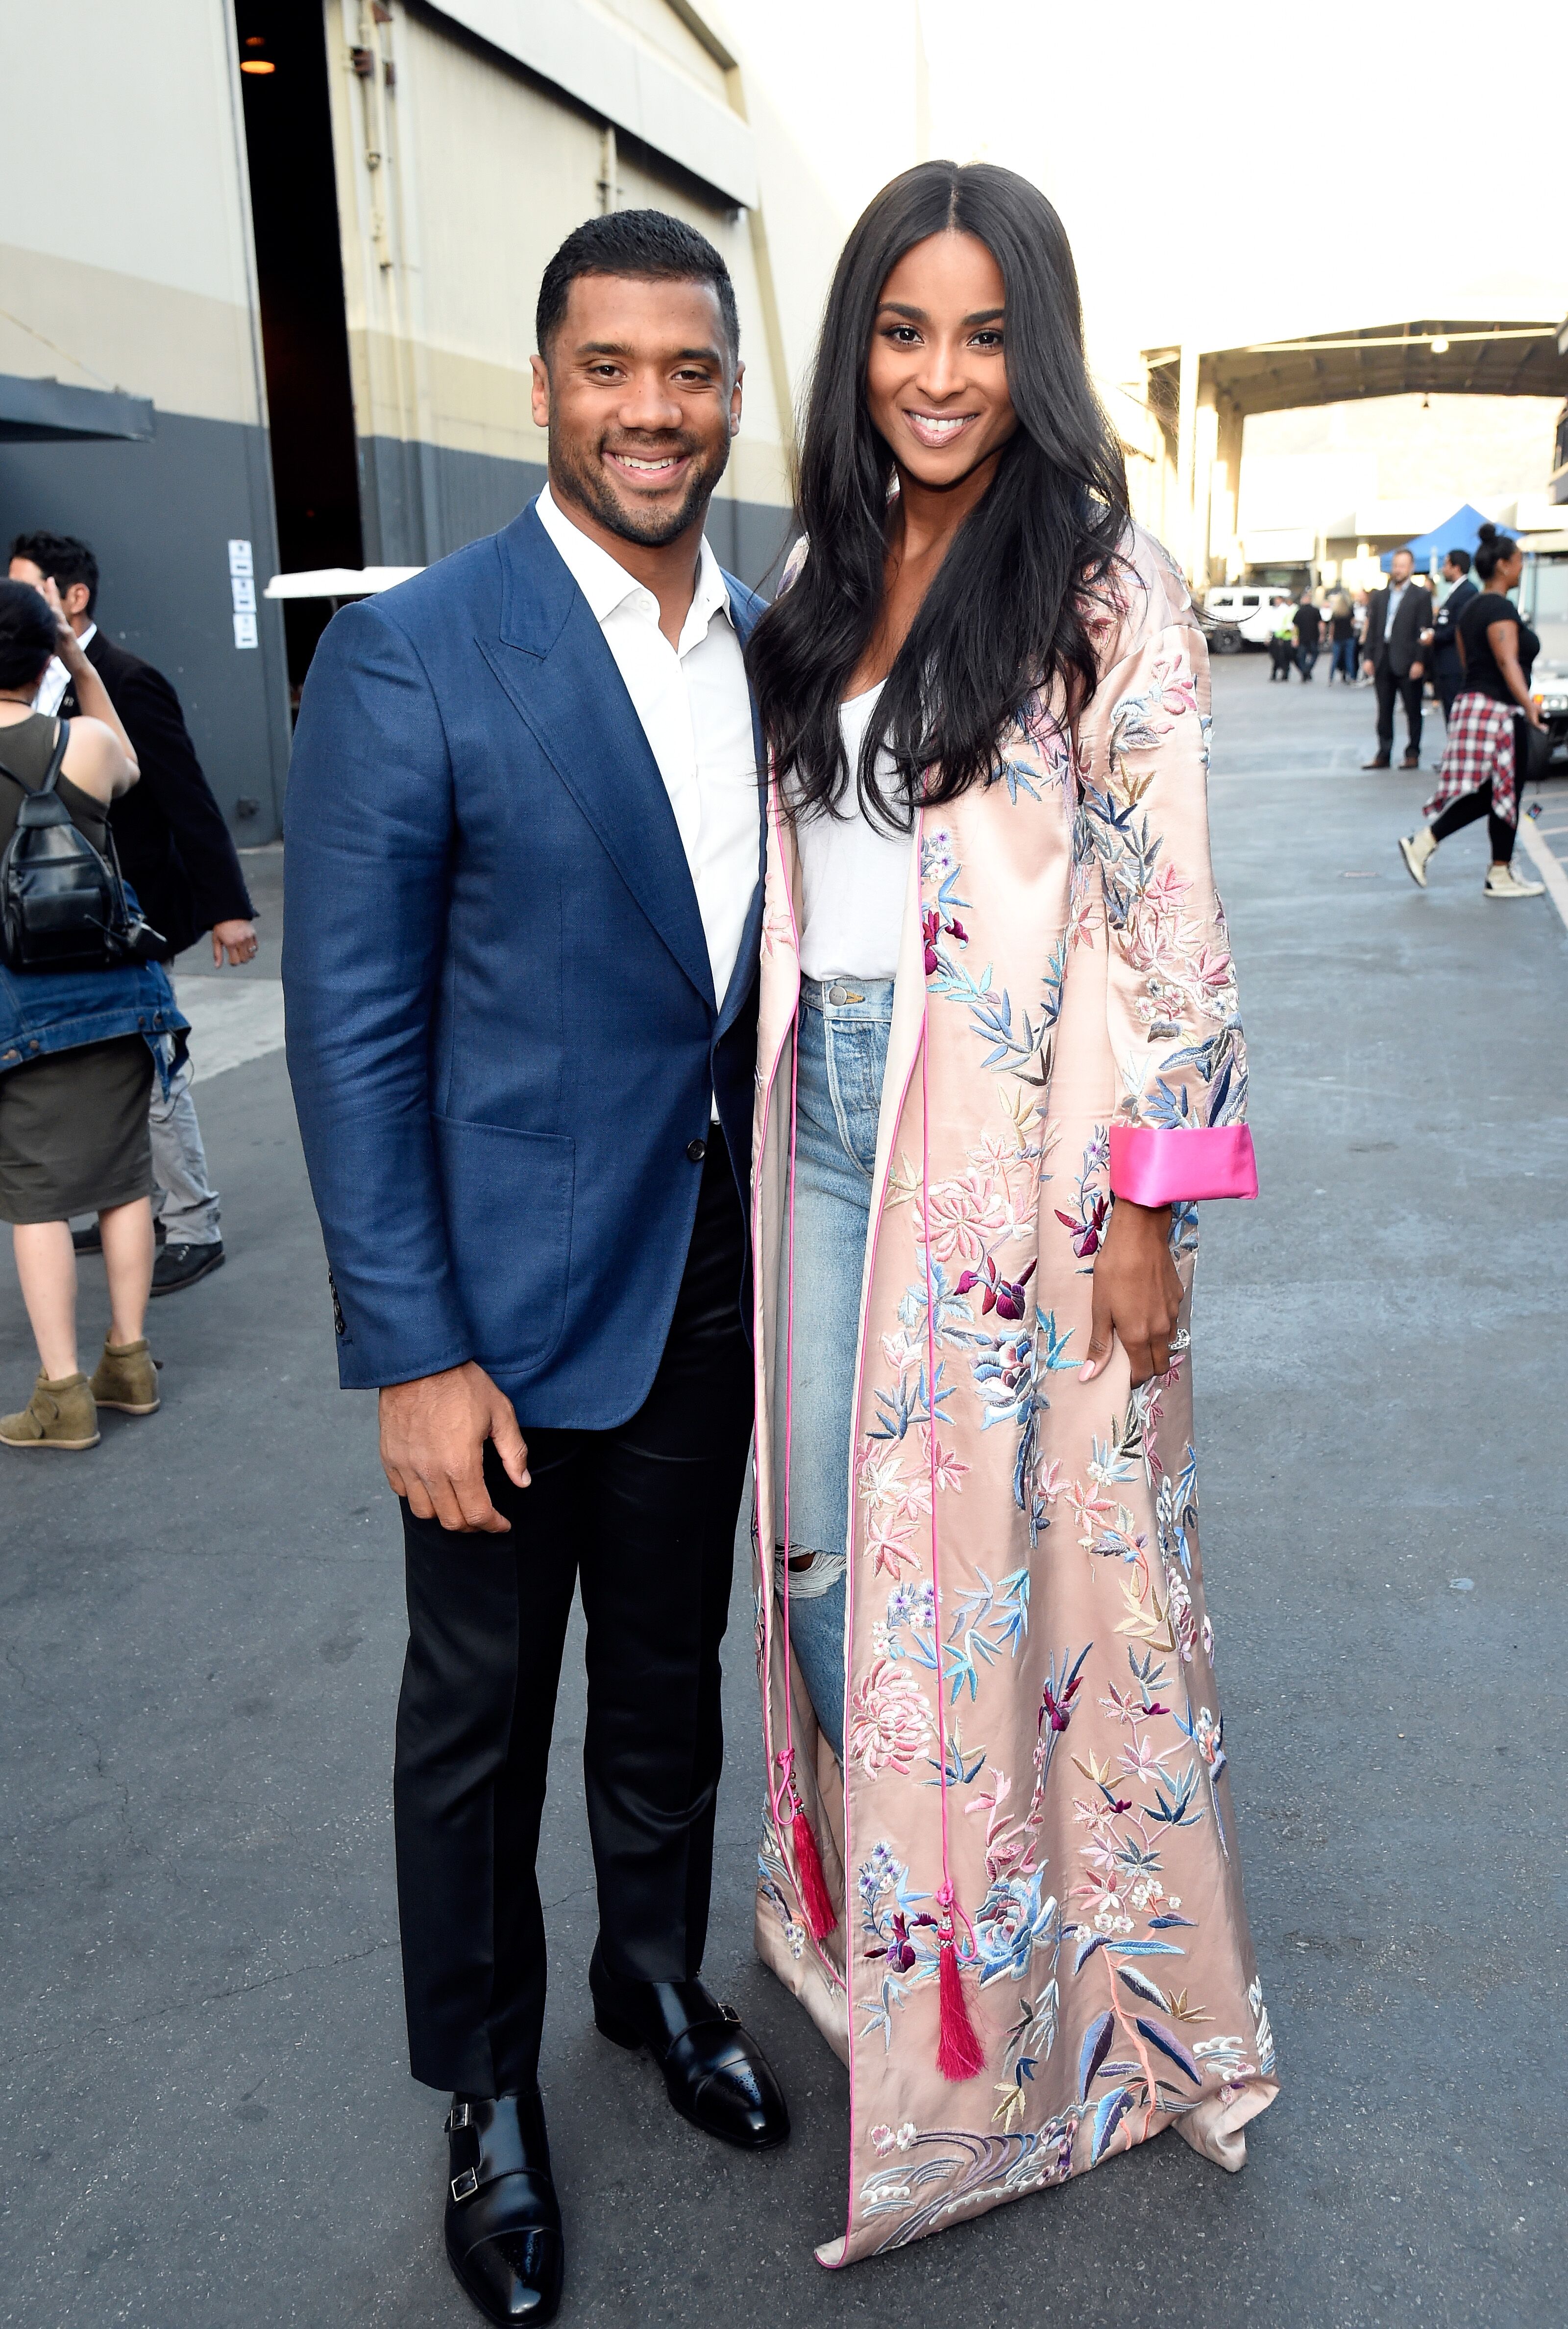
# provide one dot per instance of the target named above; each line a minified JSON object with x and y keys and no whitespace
{"x":1459,"y":558}
{"x":649,"y":243}
{"x":62,"y":557}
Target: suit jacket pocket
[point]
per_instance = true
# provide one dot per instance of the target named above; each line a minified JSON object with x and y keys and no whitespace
{"x":508,"y":1199}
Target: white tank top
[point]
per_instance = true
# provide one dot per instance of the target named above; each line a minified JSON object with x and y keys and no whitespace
{"x":854,"y":876}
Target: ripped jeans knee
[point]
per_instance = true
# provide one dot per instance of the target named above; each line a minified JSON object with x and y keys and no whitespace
{"x":811,"y":1574}
{"x":816,"y":1621}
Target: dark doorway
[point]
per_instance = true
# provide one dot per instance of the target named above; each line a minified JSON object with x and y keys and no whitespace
{"x":304,"y":333}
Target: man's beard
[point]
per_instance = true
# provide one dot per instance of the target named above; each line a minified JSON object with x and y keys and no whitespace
{"x":653,"y":528}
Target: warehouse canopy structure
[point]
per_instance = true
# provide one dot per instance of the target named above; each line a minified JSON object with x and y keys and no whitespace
{"x":1202,"y":396}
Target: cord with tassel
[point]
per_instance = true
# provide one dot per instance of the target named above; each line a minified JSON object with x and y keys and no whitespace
{"x":959,"y":2052}
{"x":816,"y":1902}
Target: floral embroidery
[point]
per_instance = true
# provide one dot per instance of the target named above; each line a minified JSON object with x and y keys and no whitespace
{"x":1078,"y":975}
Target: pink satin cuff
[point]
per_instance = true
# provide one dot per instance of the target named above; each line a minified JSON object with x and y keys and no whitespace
{"x":1154,"y":1167}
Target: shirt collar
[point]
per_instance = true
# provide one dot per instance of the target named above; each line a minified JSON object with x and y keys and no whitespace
{"x":605,"y":584}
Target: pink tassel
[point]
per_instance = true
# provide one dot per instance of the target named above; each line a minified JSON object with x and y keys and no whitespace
{"x":959,"y":2052}
{"x":820,"y":1912}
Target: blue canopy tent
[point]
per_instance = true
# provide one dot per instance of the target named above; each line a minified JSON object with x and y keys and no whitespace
{"x":1461,"y":531}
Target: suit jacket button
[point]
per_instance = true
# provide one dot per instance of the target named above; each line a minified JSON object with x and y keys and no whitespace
{"x":697,"y":1150}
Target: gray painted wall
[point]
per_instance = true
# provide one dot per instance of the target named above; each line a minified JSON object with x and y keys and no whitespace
{"x":419,"y":502}
{"x":160,"y":516}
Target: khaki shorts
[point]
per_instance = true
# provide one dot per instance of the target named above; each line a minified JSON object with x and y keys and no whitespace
{"x":73,"y":1131}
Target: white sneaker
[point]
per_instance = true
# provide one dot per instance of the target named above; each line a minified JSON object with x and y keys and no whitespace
{"x":1416,"y":848}
{"x":1502,"y":882}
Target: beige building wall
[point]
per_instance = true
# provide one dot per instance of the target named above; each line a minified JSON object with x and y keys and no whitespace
{"x":457,"y":182}
{"x":126,"y":262}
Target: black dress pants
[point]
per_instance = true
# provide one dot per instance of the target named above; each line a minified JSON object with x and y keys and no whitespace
{"x":1466,"y":810}
{"x":642,"y":1516}
{"x":1391,"y":689}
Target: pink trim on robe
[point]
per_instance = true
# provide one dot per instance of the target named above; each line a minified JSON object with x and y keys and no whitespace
{"x":1156,"y":1168}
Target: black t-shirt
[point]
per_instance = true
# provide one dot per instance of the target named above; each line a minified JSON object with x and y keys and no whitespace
{"x":1482,"y":676}
{"x":1308,"y":625}
{"x":1342,"y":627}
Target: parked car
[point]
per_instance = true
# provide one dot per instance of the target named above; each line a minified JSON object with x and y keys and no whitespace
{"x":1549,"y":689}
{"x":1243,"y":614}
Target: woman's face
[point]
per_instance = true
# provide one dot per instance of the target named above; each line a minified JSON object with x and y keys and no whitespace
{"x":936,"y":377}
{"x":1508,"y":572}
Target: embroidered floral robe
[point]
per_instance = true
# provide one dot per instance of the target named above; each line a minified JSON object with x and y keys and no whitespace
{"x":1065,"y":997}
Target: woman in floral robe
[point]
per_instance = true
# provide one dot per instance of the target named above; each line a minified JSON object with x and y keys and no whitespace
{"x":1015,"y":1908}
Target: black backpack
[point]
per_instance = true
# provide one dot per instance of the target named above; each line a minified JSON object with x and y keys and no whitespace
{"x":63,"y":904}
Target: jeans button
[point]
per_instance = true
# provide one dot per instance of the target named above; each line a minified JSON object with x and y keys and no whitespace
{"x":697,"y":1150}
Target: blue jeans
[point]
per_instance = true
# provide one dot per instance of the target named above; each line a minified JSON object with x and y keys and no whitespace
{"x":841,"y":1052}
{"x":1344,"y":664}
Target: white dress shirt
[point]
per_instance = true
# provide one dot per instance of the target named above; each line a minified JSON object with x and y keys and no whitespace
{"x":56,"y":679}
{"x":695,"y":708}
{"x":1396,"y":591}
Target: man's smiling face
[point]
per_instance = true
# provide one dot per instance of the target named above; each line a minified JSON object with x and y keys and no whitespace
{"x":640,"y":392}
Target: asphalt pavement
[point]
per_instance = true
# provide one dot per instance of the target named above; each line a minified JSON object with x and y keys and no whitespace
{"x":208,"y":2117}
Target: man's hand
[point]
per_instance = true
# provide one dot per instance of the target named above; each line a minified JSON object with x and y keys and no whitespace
{"x":433,"y":1436}
{"x":237,"y":940}
{"x":1137,"y":1293}
{"x":1366,"y":666}
{"x":1418,"y":671}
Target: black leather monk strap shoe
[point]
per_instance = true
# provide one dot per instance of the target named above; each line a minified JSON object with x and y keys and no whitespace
{"x":716,"y":2074}
{"x":503,"y":2221}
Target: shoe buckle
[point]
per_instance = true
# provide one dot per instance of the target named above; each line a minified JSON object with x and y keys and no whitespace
{"x":731,"y":2014}
{"x":458,"y":2118}
{"x":464,"y":2186}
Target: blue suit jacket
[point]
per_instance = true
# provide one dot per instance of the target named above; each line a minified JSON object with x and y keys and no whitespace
{"x":502,"y":1033}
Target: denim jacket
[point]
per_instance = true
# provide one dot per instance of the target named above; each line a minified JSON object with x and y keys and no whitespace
{"x":44,"y":1011}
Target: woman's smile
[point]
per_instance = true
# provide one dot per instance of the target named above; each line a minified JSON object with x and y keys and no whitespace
{"x":937,"y":428}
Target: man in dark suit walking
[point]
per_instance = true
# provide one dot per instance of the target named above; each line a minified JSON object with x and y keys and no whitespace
{"x":525,"y":857}
{"x":1441,"y":643}
{"x":1396,"y":617}
{"x":177,"y":853}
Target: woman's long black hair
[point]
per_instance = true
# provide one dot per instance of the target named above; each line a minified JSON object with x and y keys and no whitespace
{"x":1004,"y":615}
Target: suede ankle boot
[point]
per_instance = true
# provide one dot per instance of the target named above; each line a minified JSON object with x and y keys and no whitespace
{"x":60,"y":1414}
{"x":128,"y":1379}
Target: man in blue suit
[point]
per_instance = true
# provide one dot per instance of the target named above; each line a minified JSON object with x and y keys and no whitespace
{"x":524,"y":851}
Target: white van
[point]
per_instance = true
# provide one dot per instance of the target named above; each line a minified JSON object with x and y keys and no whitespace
{"x":1249,"y":608}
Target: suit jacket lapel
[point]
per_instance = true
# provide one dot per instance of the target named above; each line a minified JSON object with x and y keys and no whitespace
{"x":575,"y":701}
{"x":747,"y":962}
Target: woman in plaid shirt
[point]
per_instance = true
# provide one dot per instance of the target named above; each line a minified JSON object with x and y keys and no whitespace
{"x":1479,"y":774}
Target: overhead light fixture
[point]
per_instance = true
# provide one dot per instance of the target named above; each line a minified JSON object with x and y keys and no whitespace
{"x":257,"y":65}
{"x":1440,"y":346}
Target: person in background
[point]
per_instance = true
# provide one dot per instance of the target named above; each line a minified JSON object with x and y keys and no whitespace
{"x":1396,"y":615}
{"x":177,"y":853}
{"x":1308,"y":629}
{"x":1342,"y":639}
{"x":1441,"y":643}
{"x":1282,"y":643}
{"x":1479,"y":775}
{"x":77,"y":1050}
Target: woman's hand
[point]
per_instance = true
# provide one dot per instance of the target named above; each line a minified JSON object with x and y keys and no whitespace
{"x":1137,"y":1293}
{"x":67,"y":646}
